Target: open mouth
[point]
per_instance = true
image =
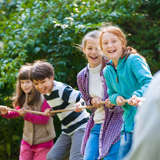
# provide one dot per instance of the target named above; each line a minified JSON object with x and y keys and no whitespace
{"x":93,"y":58}
{"x":112,"y":51}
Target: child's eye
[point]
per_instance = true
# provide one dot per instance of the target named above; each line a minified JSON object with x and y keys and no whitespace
{"x":114,"y":41}
{"x":89,"y":48}
{"x":35,"y":84}
{"x":42,"y":82}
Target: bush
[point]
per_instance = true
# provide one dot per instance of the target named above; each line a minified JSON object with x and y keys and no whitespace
{"x":38,"y":29}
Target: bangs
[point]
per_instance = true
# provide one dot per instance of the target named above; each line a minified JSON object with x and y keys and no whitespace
{"x":41,"y":70}
{"x":38,"y":76}
{"x":25,"y":75}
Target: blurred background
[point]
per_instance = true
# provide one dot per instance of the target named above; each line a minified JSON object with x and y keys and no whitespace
{"x":50,"y":30}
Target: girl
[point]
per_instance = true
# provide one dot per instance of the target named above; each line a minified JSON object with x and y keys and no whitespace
{"x":38,"y":132}
{"x":127,"y":77}
{"x":101,"y":139}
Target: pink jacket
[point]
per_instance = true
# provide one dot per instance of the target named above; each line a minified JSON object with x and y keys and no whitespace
{"x":37,"y":121}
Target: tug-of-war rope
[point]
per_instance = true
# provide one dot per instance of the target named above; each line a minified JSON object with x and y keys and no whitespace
{"x":52,"y":112}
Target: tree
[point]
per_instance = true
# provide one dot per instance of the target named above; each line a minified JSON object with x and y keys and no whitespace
{"x":38,"y":29}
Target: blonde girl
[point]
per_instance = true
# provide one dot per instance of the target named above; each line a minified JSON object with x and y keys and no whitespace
{"x":102,"y":134}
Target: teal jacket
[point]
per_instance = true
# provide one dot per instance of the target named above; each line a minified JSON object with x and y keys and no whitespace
{"x":131,"y":77}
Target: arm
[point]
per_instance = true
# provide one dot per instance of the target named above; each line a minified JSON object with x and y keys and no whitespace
{"x":83,"y":90}
{"x":142,"y":73}
{"x":12,"y":114}
{"x":70,"y":95}
{"x":38,"y":119}
{"x":111,"y":93}
{"x":73,"y":97}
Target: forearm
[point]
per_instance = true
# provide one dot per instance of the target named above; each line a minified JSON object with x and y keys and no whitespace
{"x":36,"y":119}
{"x":11,"y":114}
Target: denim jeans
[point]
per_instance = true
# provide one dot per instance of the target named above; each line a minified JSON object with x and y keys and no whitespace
{"x":92,"y":146}
{"x":125,"y":144}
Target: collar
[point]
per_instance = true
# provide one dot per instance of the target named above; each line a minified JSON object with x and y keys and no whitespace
{"x":95,"y":69}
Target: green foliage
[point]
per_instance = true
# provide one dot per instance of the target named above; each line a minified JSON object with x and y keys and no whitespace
{"x":50,"y":29}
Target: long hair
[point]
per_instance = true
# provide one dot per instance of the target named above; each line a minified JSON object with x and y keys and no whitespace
{"x":20,"y":97}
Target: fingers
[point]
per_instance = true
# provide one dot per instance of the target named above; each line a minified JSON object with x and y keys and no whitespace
{"x":96,"y":101}
{"x":22,"y":112}
{"x":135,"y":101}
{"x":132,"y":101}
{"x":77,"y":109}
{"x":3,"y":110}
{"x":48,"y":112}
{"x":120,"y":101}
{"x":108,"y":103}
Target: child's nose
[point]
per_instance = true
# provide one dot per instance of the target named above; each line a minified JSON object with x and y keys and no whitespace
{"x":40,"y":86}
{"x":94,"y":51}
{"x":25,"y":84}
{"x":109,"y":44}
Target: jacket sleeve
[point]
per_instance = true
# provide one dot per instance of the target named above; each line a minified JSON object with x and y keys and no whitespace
{"x":111,"y":93}
{"x":83,"y":90}
{"x":12,"y":114}
{"x":38,"y":119}
{"x":142,"y":73}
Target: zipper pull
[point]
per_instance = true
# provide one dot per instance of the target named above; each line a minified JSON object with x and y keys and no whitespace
{"x":117,"y":79}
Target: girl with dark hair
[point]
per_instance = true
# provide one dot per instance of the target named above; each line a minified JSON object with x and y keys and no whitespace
{"x":38,"y":131}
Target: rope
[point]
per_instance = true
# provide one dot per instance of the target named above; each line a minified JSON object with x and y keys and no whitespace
{"x":59,"y":110}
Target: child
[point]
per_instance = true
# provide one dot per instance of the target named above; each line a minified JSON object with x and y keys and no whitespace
{"x":61,"y":96}
{"x":127,"y":77}
{"x":102,"y":133}
{"x":38,"y":132}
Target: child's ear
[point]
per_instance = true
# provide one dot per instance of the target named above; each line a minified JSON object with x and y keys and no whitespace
{"x":51,"y":78}
{"x":84,"y":51}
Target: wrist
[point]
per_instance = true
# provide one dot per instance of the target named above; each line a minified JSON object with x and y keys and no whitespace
{"x":91,"y":101}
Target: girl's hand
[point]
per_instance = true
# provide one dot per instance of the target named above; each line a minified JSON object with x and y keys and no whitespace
{"x":47,"y":112}
{"x":134,"y":100}
{"x":108,"y":103}
{"x":3,"y":110}
{"x":120,"y":101}
{"x":22,"y":112}
{"x":96,"y":101}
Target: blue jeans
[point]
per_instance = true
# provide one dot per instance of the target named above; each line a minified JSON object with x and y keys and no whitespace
{"x":125,"y":144}
{"x":92,"y":146}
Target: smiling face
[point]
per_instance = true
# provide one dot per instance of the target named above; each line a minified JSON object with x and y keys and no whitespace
{"x":26,"y":86}
{"x":93,"y":52}
{"x":44,"y":86}
{"x":112,"y":46}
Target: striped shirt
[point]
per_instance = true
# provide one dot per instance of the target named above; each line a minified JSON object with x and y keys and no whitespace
{"x":64,"y":96}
